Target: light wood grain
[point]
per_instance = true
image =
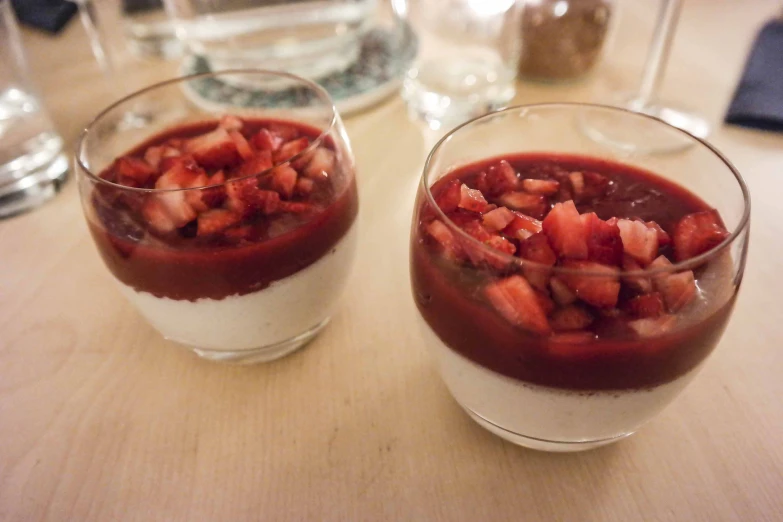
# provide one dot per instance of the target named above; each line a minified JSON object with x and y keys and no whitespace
{"x":101,"y":419}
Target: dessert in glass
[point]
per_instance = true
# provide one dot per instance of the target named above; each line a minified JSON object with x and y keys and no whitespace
{"x":569,"y":292}
{"x":232,"y":229}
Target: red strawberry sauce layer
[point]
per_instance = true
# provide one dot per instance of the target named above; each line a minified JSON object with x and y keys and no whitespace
{"x":565,"y":333}
{"x":238,"y":250}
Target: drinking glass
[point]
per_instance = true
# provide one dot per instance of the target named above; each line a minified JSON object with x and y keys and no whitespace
{"x":267,"y":283}
{"x":310,"y":38}
{"x":32,"y":166}
{"x":567,"y":391}
{"x":468,"y":55}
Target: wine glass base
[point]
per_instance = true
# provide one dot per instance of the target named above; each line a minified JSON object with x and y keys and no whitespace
{"x":643,"y":139}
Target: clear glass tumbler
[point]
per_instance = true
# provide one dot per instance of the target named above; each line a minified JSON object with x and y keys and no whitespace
{"x":467,"y":60}
{"x":554,"y":324}
{"x":231,"y":229}
{"x":32,"y":166}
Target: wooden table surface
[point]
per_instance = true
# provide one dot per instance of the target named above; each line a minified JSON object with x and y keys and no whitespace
{"x":102,"y":420}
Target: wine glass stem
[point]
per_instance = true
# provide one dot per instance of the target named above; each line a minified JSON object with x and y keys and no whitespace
{"x":658,"y":56}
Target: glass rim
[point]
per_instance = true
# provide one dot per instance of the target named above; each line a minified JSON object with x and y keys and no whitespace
{"x":513,"y":260}
{"x":85,"y":133}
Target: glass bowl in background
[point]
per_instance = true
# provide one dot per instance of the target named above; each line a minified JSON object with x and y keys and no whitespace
{"x":246,"y":261}
{"x":567,"y":390}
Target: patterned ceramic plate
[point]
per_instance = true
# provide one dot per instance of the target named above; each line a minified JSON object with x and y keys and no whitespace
{"x":384,"y":58}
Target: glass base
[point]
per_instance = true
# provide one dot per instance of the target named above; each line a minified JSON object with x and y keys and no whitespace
{"x":604,"y":127}
{"x":264,"y":353}
{"x":537,"y":443}
{"x":34,"y":188}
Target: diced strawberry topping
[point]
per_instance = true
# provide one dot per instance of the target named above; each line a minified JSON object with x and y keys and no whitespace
{"x":522,"y":227}
{"x":472,"y":199}
{"x":546,"y":303}
{"x":265,"y":140}
{"x":572,"y":317}
{"x":536,"y":248}
{"x":564,"y":229}
{"x":697,"y":233}
{"x":587,"y":185}
{"x":194,"y":197}
{"x":445,"y":238}
{"x":214,"y":196}
{"x":498,"y":219}
{"x":647,"y":305}
{"x":639,"y":241}
{"x":132,"y":171}
{"x":156,"y":215}
{"x":243,"y":147}
{"x":448,"y":197}
{"x":531,"y":204}
{"x":153,"y":155}
{"x":258,"y":163}
{"x":216,"y":220}
{"x":544,"y":187}
{"x":642,"y":285}
{"x":286,"y":132}
{"x":663,"y":237}
{"x":498,"y":179}
{"x":214,"y":149}
{"x":284,"y":180}
{"x":653,"y":327}
{"x":678,"y":290}
{"x":304,"y":186}
{"x":321,"y":163}
{"x":598,"y":286}
{"x":560,"y":292}
{"x":517,"y":302}
{"x":604,"y":244}
{"x":231,"y":123}
{"x":290,"y":149}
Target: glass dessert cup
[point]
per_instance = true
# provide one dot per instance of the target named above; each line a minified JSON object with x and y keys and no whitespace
{"x":231,"y":229}
{"x":570,"y":291}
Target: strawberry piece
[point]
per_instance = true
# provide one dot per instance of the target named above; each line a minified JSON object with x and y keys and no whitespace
{"x":498,"y":219}
{"x":153,"y":155}
{"x":154,"y":212}
{"x":517,"y":302}
{"x":536,"y":248}
{"x":183,"y":175}
{"x":183,"y":160}
{"x":265,"y":140}
{"x":577,"y":185}
{"x":214,"y":149}
{"x":286,"y":132}
{"x":561,"y":293}
{"x":604,"y":244}
{"x":445,"y":238}
{"x":639,"y":242}
{"x":546,"y":303}
{"x":587,"y":185}
{"x":304,"y":186}
{"x":600,"y":288}
{"x":231,"y":123}
{"x":133,"y":172}
{"x":241,"y":196}
{"x":194,"y":197}
{"x":678,"y":290}
{"x":570,"y":318}
{"x":522,"y":227}
{"x":543,"y":187}
{"x":697,"y":233}
{"x":642,"y":285}
{"x":502,"y":244}
{"x":663,"y":237}
{"x":497,"y":179}
{"x":216,"y":220}
{"x":449,"y":196}
{"x":321,"y":163}
{"x":243,"y":147}
{"x":290,"y":149}
{"x":653,"y":327}
{"x":531,"y":204}
{"x":214,"y":196}
{"x":472,"y":199}
{"x":564,"y":229}
{"x":284,"y":180}
{"x":257,"y":164}
{"x":648,"y":305}
{"x":471,"y":225}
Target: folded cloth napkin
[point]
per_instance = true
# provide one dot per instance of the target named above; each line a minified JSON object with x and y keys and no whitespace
{"x":47,"y":15}
{"x":758,"y":100}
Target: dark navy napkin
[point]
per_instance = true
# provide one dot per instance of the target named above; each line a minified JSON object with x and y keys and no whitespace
{"x":758,"y":100}
{"x":47,"y":15}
